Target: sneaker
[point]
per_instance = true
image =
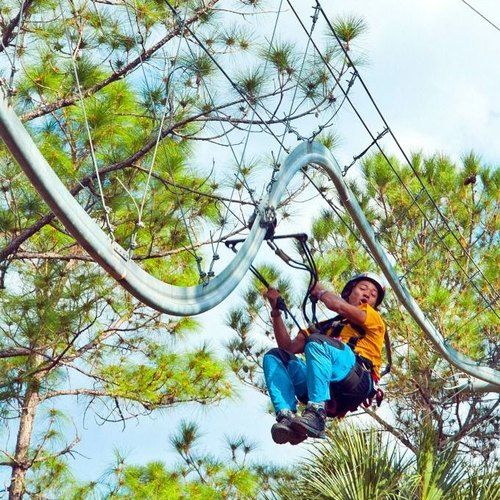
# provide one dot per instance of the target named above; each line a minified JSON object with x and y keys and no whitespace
{"x":312,"y":421}
{"x":282,"y":432}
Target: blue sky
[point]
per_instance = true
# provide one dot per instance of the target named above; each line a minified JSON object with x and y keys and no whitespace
{"x":432,"y":68}
{"x":433,"y":72}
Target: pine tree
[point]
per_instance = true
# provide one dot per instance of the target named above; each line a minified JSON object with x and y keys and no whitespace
{"x":71,"y":71}
{"x":228,"y":474}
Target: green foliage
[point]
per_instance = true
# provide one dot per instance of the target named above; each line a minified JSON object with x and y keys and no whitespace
{"x":330,"y":140}
{"x":50,"y":471}
{"x":63,"y":319}
{"x":61,"y":316}
{"x":281,"y":55}
{"x":69,"y":51}
{"x":246,"y":348}
{"x":349,"y":28}
{"x":167,"y":378}
{"x":482,"y":486}
{"x":351,"y":463}
{"x":196,"y":475}
{"x":433,"y":227}
{"x":251,"y":82}
{"x":365,"y":464}
{"x":437,"y":474}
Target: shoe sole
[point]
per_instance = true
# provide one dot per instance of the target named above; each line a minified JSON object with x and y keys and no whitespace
{"x":299,"y":438}
{"x":284,"y":434}
{"x":301,"y":428}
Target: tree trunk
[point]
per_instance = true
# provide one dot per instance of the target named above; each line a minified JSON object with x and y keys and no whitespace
{"x":21,"y":458}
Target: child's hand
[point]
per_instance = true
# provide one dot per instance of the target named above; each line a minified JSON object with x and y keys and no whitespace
{"x":317,"y":290}
{"x":272,"y":296}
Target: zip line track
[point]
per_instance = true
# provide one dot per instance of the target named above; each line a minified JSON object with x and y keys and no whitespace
{"x":186,"y":301}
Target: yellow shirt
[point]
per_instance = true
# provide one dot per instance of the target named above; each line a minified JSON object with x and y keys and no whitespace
{"x":370,"y":346}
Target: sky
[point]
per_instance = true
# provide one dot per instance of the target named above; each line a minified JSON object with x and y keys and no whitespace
{"x":434,"y":72}
{"x":431,"y":69}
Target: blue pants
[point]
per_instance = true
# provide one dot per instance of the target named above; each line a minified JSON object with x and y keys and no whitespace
{"x":289,"y":379}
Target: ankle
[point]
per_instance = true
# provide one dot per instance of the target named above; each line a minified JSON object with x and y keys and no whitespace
{"x":315,"y":406}
{"x":284,"y":413}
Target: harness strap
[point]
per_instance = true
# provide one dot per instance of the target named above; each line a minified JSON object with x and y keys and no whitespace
{"x":353,"y":341}
{"x":333,"y":327}
{"x":357,"y":381}
{"x":388,"y":352}
{"x":351,"y":382}
{"x":357,"y":388}
{"x":330,"y":327}
{"x":319,"y":337}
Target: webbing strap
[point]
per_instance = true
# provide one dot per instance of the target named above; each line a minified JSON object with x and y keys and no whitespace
{"x":388,"y":352}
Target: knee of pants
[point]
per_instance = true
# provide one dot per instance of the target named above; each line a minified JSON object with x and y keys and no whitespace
{"x":284,"y":356}
{"x":314,"y":349}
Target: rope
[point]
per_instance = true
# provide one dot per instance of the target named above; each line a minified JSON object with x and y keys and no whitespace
{"x":282,"y":306}
{"x":202,"y":274}
{"x":375,"y":141}
{"x":481,"y":15}
{"x":223,"y":72}
{"x":336,"y":211}
{"x":139,"y":222}
{"x":360,"y":155}
{"x":254,"y":110}
{"x":16,"y":48}
{"x":287,"y":117}
{"x":264,"y":70}
{"x":310,"y":267}
{"x":106,"y":209}
{"x":215,"y":256}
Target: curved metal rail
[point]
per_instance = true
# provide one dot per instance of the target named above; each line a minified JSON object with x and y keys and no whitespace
{"x":183,"y":301}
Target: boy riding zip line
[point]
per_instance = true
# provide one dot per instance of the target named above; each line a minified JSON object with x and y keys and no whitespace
{"x":342,"y":359}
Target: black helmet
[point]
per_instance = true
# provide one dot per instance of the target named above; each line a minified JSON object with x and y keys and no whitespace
{"x":373,"y":278}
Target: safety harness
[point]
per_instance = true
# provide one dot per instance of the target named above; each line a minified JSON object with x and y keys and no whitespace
{"x":359,"y":386}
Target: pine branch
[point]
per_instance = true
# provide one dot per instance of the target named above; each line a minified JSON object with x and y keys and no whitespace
{"x":474,"y":423}
{"x":8,"y":32}
{"x":76,"y":392}
{"x":12,"y":461}
{"x":67,"y":449}
{"x":122,"y":72}
{"x":393,"y":430}
{"x":14,"y":245}
{"x":14,"y":353}
{"x":152,"y":255}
